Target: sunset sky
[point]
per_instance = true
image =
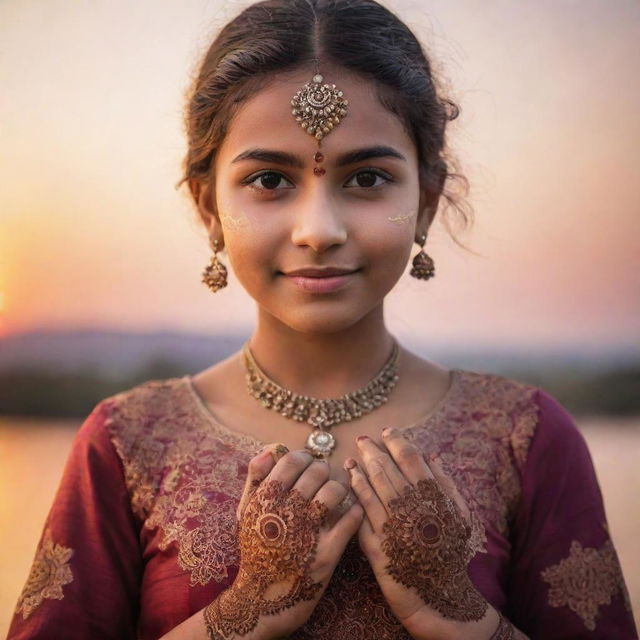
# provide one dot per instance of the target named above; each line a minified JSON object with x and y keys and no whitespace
{"x":94,"y":234}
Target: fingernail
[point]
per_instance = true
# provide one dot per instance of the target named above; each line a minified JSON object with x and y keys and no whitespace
{"x":349,"y":463}
{"x":362,"y":438}
{"x":277,"y":452}
{"x":387,"y":431}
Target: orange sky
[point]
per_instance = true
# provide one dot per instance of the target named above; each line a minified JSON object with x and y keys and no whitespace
{"x":92,"y":232}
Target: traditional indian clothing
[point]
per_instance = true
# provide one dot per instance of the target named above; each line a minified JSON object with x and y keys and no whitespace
{"x":142,"y":531}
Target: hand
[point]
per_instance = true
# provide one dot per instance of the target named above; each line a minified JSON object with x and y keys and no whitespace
{"x":415,"y":534}
{"x":293,"y":526}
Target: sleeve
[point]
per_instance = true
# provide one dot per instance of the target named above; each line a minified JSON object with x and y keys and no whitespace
{"x":565,"y":581}
{"x":85,"y":577}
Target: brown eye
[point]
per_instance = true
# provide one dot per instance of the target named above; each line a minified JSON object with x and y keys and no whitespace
{"x":269,"y":180}
{"x":265,"y":181}
{"x":366,"y":179}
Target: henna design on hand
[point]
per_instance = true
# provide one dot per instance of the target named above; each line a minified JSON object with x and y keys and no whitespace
{"x":426,"y":541}
{"x":505,"y":630}
{"x":278,"y":537}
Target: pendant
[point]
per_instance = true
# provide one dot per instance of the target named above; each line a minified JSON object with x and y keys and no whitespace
{"x":320,"y":443}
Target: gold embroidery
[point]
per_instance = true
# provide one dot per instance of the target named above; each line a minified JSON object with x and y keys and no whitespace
{"x":185,"y":477}
{"x":185,"y":474}
{"x":585,"y":580}
{"x":49,"y":572}
{"x":483,"y":435}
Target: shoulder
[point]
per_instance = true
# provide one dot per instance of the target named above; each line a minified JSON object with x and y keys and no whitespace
{"x":127,"y":414}
{"x":529,"y":413}
{"x":158,"y":395}
{"x":147,"y":407}
{"x":144,"y":421}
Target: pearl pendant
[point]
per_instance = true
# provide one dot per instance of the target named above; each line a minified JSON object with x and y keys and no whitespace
{"x":320,"y":443}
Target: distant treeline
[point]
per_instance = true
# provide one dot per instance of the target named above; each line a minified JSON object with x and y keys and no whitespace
{"x":48,"y":393}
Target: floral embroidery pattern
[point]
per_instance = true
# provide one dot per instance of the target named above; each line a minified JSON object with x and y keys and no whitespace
{"x":188,"y":487}
{"x":483,"y":435}
{"x":185,"y":474}
{"x":49,"y":572}
{"x":585,"y":580}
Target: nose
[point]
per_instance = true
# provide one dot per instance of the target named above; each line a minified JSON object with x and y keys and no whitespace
{"x":318,"y":224}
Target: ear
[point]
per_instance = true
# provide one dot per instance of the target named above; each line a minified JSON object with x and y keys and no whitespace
{"x":204,"y":200}
{"x":430,"y":193}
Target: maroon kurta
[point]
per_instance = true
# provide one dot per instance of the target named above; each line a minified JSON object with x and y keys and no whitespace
{"x":142,"y":532}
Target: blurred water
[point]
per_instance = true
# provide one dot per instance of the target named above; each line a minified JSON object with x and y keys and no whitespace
{"x":33,"y":452}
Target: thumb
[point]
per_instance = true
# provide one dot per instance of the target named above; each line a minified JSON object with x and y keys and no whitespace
{"x":259,"y":468}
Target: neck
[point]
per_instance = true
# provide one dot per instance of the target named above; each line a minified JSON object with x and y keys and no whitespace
{"x":322,"y":365}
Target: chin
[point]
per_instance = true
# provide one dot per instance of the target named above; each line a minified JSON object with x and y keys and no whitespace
{"x":321,"y":321}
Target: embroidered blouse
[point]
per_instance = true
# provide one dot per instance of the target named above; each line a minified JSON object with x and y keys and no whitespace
{"x":142,"y":531}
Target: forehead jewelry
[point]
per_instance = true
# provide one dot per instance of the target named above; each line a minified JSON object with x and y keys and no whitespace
{"x":321,"y":413}
{"x":319,"y":107}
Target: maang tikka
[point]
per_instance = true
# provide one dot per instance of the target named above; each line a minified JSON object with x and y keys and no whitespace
{"x":319,"y":107}
{"x":423,"y":267}
{"x":215,"y":274}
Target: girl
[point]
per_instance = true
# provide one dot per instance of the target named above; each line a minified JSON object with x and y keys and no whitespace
{"x":264,"y":497}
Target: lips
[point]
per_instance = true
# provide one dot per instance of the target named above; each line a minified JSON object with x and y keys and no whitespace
{"x":320,"y":272}
{"x":327,"y":280}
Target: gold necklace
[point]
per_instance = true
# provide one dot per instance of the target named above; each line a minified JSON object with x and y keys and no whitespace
{"x":321,"y":413}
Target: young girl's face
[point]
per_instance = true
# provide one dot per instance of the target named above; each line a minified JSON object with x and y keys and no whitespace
{"x":276,"y":216}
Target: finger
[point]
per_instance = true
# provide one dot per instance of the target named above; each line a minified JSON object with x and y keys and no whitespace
{"x":289,"y":468}
{"x":312,"y":478}
{"x":384,"y":475}
{"x":332,"y":494}
{"x":366,"y":495}
{"x":259,"y":467}
{"x":347,"y":526}
{"x":448,"y":485}
{"x":406,"y":455}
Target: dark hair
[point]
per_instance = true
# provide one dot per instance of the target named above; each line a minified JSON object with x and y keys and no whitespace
{"x":360,"y":35}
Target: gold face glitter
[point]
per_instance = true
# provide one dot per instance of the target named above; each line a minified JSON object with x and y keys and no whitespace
{"x":235,"y":223}
{"x":400,"y":220}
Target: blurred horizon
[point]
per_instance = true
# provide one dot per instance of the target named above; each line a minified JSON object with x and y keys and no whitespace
{"x":66,"y":373}
{"x":94,"y":234}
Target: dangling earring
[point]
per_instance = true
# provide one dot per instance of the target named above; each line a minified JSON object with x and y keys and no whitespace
{"x":215,"y":274}
{"x":423,"y":267}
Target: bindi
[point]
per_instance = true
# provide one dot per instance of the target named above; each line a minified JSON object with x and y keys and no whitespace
{"x":318,"y":158}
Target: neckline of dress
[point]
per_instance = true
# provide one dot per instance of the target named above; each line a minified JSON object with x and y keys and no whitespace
{"x":205,"y":412}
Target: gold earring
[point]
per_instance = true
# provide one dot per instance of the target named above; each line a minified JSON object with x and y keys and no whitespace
{"x":423,"y":267}
{"x":215,"y":274}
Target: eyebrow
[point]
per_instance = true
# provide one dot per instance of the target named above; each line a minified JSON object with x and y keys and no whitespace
{"x":344,"y":159}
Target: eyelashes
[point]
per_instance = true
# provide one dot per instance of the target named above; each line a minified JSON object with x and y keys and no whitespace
{"x":254,"y":180}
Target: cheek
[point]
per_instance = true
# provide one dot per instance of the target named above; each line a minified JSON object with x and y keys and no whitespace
{"x":388,"y":239}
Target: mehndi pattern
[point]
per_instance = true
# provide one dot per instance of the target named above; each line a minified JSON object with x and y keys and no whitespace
{"x":427,"y":542}
{"x":278,"y":536}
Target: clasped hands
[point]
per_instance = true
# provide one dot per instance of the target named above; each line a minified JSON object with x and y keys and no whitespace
{"x":412,"y":525}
